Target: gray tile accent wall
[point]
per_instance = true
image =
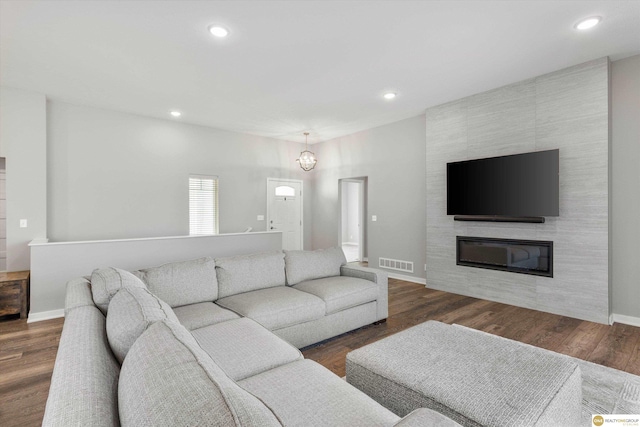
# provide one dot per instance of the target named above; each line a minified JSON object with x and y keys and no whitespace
{"x":568,"y":110}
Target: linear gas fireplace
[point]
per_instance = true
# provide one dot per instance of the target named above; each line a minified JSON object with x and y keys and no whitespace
{"x":517,"y":256}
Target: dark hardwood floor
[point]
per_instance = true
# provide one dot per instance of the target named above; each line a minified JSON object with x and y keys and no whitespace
{"x":27,"y":355}
{"x":616,"y":346}
{"x":27,"y":351}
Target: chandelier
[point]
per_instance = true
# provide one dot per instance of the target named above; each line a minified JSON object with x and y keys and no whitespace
{"x":307,"y":159}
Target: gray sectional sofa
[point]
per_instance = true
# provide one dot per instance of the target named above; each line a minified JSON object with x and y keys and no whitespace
{"x":215,"y":343}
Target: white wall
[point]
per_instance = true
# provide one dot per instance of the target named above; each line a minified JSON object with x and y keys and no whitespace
{"x":23,"y":142}
{"x":625,"y":200}
{"x":114,"y":175}
{"x":392,"y":157}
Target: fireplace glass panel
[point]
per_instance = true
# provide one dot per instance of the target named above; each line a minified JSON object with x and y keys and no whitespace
{"x":518,"y":256}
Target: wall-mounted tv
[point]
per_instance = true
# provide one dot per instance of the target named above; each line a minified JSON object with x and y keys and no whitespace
{"x":520,"y":185}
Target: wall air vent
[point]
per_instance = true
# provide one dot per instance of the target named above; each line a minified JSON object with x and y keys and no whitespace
{"x":396,"y":264}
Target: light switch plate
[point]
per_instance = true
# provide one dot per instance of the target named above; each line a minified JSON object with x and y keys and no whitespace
{"x":260,"y":217}
{"x":23,"y":223}
{"x":374,"y":217}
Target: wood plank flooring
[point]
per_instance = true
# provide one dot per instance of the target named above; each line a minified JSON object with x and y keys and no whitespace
{"x":27,"y":355}
{"x":616,"y":346}
{"x":27,"y":351}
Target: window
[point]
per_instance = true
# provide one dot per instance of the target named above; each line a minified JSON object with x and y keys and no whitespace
{"x":285,"y":190}
{"x":203,"y":204}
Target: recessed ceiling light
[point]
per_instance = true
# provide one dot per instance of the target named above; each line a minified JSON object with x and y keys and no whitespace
{"x":175,"y":113}
{"x":587,"y":23}
{"x":389,"y":95}
{"x":218,"y":31}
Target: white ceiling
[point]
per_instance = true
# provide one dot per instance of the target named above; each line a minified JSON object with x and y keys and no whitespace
{"x":294,"y":66}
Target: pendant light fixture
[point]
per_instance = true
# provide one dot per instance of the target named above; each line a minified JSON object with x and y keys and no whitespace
{"x":307,"y":159}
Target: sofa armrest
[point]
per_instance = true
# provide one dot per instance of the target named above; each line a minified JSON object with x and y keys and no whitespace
{"x":78,"y":294}
{"x":426,"y":417}
{"x":84,"y":384}
{"x":377,"y":276}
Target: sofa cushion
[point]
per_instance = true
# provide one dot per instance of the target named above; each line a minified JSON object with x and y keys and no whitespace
{"x":340,"y":293}
{"x":106,"y":282}
{"x":131,"y":312}
{"x":246,"y":273}
{"x":167,"y":379}
{"x":426,"y":417}
{"x":308,"y":265}
{"x":276,"y":308}
{"x":194,"y":316}
{"x":303,"y":393}
{"x":184,"y":282}
{"x":242,"y":347}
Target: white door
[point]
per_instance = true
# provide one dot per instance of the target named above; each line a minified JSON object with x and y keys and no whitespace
{"x":284,"y":211}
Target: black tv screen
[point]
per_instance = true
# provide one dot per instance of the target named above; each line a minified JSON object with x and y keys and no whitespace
{"x":521,"y":185}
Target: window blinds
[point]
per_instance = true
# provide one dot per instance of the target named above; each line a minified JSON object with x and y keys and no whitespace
{"x":203,"y":204}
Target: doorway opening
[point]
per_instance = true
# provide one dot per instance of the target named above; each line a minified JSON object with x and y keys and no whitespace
{"x":3,"y":216}
{"x":352,"y":230}
{"x":284,"y":211}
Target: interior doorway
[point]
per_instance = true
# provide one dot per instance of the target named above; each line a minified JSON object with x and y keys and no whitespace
{"x":284,"y":211}
{"x":3,"y":217}
{"x":352,"y":224}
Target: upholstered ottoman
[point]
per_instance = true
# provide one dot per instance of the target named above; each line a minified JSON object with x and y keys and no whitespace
{"x":474,"y":378}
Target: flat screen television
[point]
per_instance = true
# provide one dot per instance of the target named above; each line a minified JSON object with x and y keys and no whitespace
{"x":520,"y":185}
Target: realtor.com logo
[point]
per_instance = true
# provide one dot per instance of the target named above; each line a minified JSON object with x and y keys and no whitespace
{"x":611,"y":420}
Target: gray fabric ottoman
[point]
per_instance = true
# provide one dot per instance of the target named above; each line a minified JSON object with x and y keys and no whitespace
{"x":474,"y":378}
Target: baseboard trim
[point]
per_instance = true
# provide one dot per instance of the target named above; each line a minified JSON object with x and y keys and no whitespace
{"x":45,"y":315}
{"x":420,"y":280}
{"x":627,"y":320}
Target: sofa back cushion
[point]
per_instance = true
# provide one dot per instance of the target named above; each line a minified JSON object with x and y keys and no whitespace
{"x":246,"y":273}
{"x":106,"y":282}
{"x":167,"y":379}
{"x":184,"y":282}
{"x":308,"y":265}
{"x":131,"y":312}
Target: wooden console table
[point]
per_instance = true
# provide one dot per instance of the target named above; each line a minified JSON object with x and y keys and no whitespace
{"x":14,"y":293}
